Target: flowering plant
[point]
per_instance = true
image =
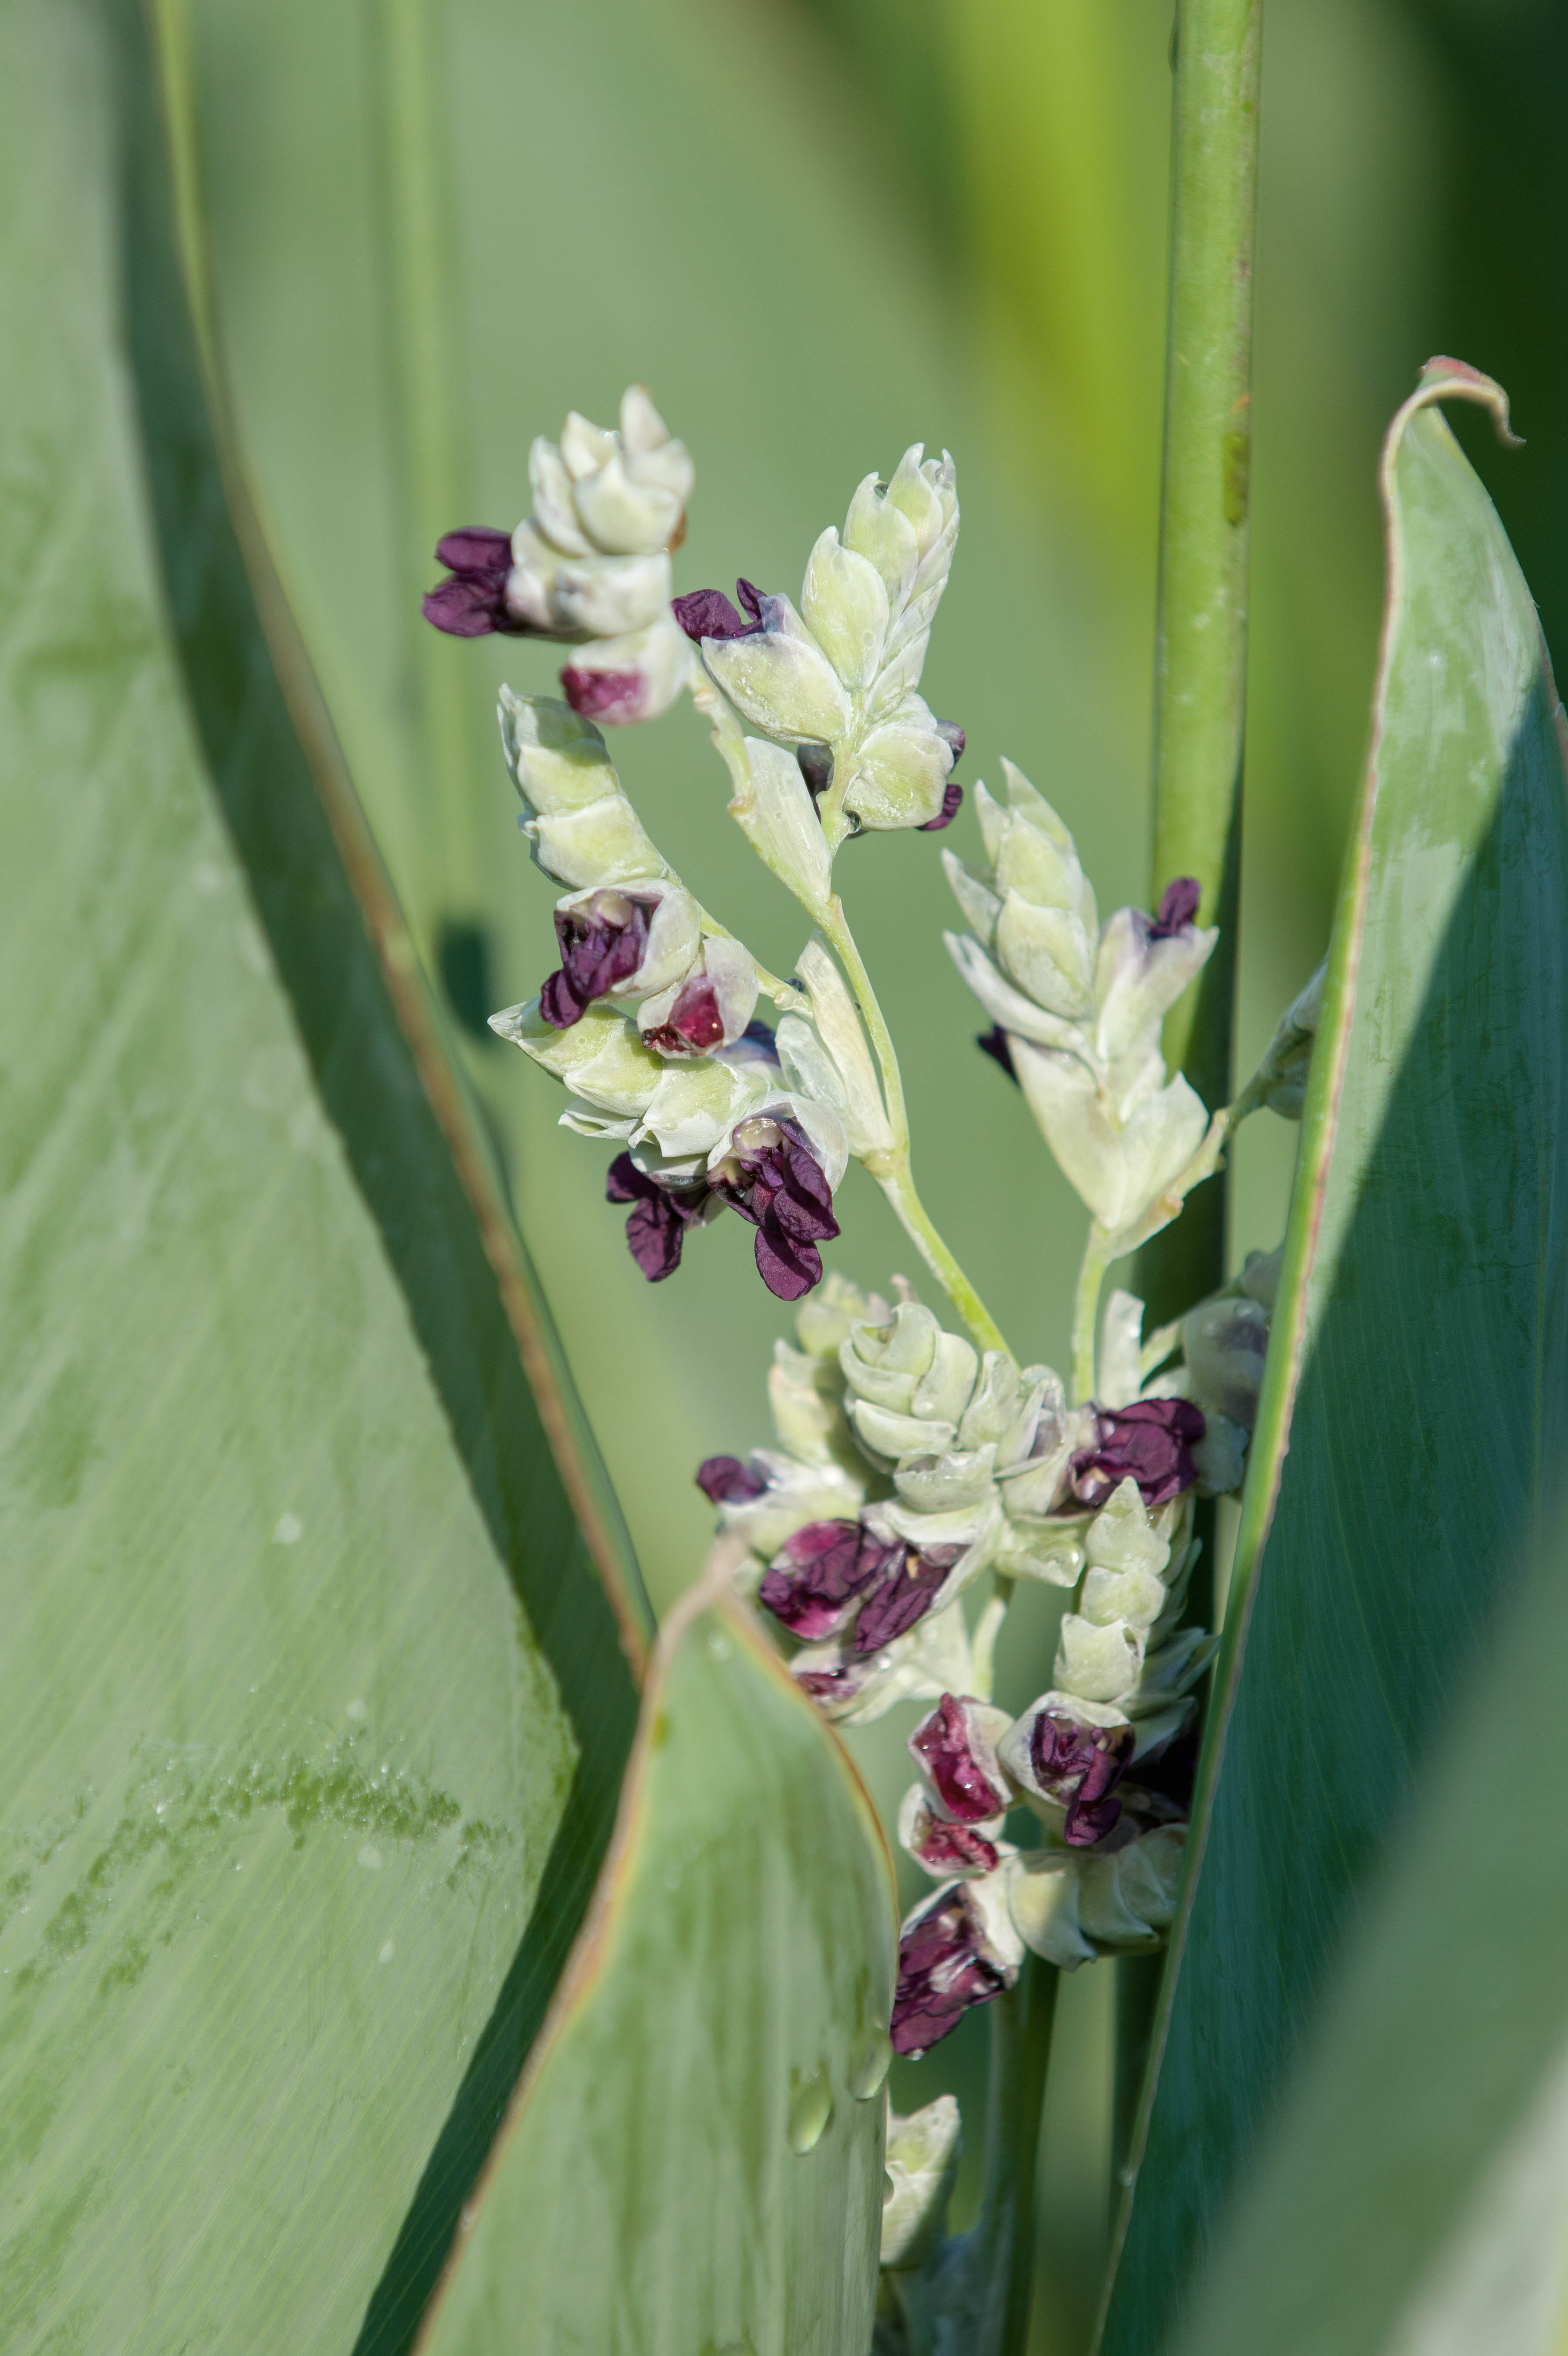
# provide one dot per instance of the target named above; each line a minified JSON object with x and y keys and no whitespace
{"x":919,"y":1473}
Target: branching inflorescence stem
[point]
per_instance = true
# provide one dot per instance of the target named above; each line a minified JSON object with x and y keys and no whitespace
{"x":890,"y":1168}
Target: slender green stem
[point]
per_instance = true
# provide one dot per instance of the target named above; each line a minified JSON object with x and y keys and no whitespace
{"x":1202,"y":629}
{"x":891,"y":1167}
{"x":1086,"y":1311}
{"x":1004,"y":2235}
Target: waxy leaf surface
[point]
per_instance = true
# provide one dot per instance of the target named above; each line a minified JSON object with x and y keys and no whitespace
{"x":1419,"y":1367}
{"x":1410,"y":2199}
{"x":312,"y":1708}
{"x":695,"y":2162}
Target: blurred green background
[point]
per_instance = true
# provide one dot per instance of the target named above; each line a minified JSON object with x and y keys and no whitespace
{"x":820,"y":230}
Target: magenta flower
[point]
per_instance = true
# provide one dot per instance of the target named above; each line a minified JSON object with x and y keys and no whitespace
{"x":1151,"y":1440}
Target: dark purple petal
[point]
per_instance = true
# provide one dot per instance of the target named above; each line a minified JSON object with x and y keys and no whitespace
{"x":602,"y":942}
{"x":1152,"y":1441}
{"x":776,"y":1184}
{"x":943,"y":1848}
{"x":756,"y":1044}
{"x":478,"y":548}
{"x":993,"y":1043}
{"x":466,"y":606}
{"x":811,"y":1582}
{"x":560,"y":1003}
{"x":613,"y":695}
{"x":695,"y":1024}
{"x":943,"y":1745}
{"x":942,"y":1973}
{"x":708,"y":613}
{"x":1080,"y":1765}
{"x":725,"y":1481}
{"x":951,"y":734}
{"x":952,"y":802}
{"x":1178,"y":906}
{"x":904,"y":1595}
{"x":836,"y":1685}
{"x":656,"y":1226}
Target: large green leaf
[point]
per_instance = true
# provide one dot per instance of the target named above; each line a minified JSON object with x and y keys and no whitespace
{"x":1410,"y":2200}
{"x":312,"y":1709}
{"x":1419,"y":1372}
{"x":694,"y":2162}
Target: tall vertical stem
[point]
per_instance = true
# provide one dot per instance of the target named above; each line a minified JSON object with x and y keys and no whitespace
{"x":420,"y":328}
{"x":1201,"y":656}
{"x":1003,"y":2237}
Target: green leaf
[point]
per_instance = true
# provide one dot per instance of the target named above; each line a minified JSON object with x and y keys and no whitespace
{"x":1411,"y":2195}
{"x":312,"y":1707}
{"x":1419,"y":1370}
{"x":693,"y":2165}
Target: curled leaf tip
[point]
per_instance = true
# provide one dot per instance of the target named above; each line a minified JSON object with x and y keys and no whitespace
{"x":1442,"y":376}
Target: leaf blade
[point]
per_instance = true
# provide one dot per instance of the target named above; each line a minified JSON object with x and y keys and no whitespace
{"x":1424,"y":1237}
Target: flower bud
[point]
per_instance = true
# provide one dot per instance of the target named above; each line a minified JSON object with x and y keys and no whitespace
{"x":600,"y":1058}
{"x":1144,"y":966}
{"x":921,"y":2160}
{"x":900,"y":772}
{"x":582,"y":829}
{"x":710,"y":1006}
{"x":771,"y":1497}
{"x":1063,"y":1750}
{"x":633,"y":677}
{"x":1121,"y":1159}
{"x":473,"y":602}
{"x":779,"y":678}
{"x":1224,"y":1342}
{"x":1149,"y":1442}
{"x":942,"y":1846}
{"x":619,"y":945}
{"x":1281,"y":1082}
{"x":1070,"y":1907}
{"x":956,"y":1749}
{"x":843,"y":603}
{"x":813,"y":1584}
{"x":959,"y":1949}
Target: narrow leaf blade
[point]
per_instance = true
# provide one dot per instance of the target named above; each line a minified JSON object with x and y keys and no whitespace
{"x":1419,"y":1373}
{"x":311,"y":1704}
{"x":695,"y":2160}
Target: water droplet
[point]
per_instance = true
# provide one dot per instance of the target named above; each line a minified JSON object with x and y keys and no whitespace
{"x":388,"y":1952}
{"x":357,"y":1710}
{"x":869,"y":2070}
{"x":370,"y":1857}
{"x":287,"y":1530}
{"x":810,"y":2107}
{"x":718,"y":1646}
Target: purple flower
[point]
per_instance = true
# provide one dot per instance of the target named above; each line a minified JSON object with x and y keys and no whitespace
{"x":910,"y":1580}
{"x":945,"y":1966}
{"x":993,"y":1043}
{"x":945,"y":1848}
{"x":960,"y":1763}
{"x":1080,"y":1765}
{"x":708,"y":613}
{"x":725,"y":1481}
{"x":774,"y":1179}
{"x":659,"y":1218}
{"x":602,"y":942}
{"x":1151,"y":1440}
{"x":616,"y":696}
{"x":817,"y":1578}
{"x":471,"y":603}
{"x":837,"y":1688}
{"x":695,"y":1022}
{"x":1177,"y":907}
